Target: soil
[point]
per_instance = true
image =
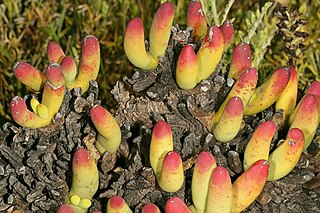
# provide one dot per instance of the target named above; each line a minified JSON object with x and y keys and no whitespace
{"x":35,"y":164}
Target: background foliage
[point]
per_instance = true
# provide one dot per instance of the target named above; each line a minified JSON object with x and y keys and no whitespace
{"x":26,"y":27}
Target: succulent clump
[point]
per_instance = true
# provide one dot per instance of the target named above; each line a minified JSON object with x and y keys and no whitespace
{"x":173,"y":144}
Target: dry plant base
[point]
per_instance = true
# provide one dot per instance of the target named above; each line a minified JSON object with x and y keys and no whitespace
{"x":35,"y":164}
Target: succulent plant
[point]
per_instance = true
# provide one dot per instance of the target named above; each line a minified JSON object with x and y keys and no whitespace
{"x":89,"y":64}
{"x":85,"y":181}
{"x":210,"y":52}
{"x":57,"y":78}
{"x":259,"y":144}
{"x":243,"y":88}
{"x":65,"y":208}
{"x":69,"y":70}
{"x":305,"y":117}
{"x":249,"y":185}
{"x":211,"y":186}
{"x":196,"y":19}
{"x":52,"y":97}
{"x":187,"y":68}
{"x":314,"y":89}
{"x":109,"y":133}
{"x":227,"y":31}
{"x":161,"y":144}
{"x":203,"y":168}
{"x":267,"y":93}
{"x":134,"y":45}
{"x":283,"y":159}
{"x":160,"y":29}
{"x":29,"y":76}
{"x":229,"y":124}
{"x":55,"y":52}
{"x":288,"y":98}
{"x":212,"y":190}
{"x":220,"y":193}
{"x":171,"y":177}
{"x":166,"y":163}
{"x":241,"y":60}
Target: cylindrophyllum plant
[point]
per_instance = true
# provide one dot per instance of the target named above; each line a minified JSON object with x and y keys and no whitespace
{"x":134,"y":43}
{"x":64,"y":74}
{"x":60,"y":75}
{"x":212,"y":189}
{"x":85,"y":183}
{"x":245,"y":98}
{"x":166,"y":163}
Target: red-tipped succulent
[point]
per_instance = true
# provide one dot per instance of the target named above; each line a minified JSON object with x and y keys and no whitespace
{"x":88,"y":66}
{"x":109,"y":133}
{"x":249,"y":185}
{"x":196,"y":19}
{"x":259,"y":144}
{"x":55,"y":52}
{"x":306,"y":118}
{"x":187,"y":68}
{"x":89,"y":62}
{"x":85,"y":181}
{"x":203,"y":168}
{"x":23,"y":116}
{"x":227,"y":31}
{"x":54,"y":75}
{"x":52,"y":97}
{"x":54,"y":82}
{"x":65,"y":208}
{"x":210,"y":52}
{"x":284,"y":158}
{"x":241,"y":60}
{"x":160,"y":29}
{"x":30,"y":76}
{"x":161,"y":144}
{"x":220,"y":194}
{"x":171,"y":177}
{"x":243,"y":88}
{"x":267,"y":93}
{"x":229,"y":124}
{"x":212,"y":190}
{"x":166,"y":163}
{"x":314,"y":89}
{"x":69,"y":70}
{"x":288,"y":98}
{"x":134,"y":45}
{"x":54,"y":89}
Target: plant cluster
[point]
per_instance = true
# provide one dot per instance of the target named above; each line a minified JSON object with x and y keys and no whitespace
{"x":212,"y":189}
{"x":64,"y":74}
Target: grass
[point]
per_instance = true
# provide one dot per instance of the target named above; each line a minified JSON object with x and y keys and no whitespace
{"x":28,"y":26}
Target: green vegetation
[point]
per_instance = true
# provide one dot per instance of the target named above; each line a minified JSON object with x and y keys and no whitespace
{"x":27,"y":27}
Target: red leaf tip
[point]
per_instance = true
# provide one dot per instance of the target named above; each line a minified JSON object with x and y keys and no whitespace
{"x":161,"y":129}
{"x":81,"y":157}
{"x":234,"y":106}
{"x":172,"y":160}
{"x":205,"y":161}
{"x":116,"y":202}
